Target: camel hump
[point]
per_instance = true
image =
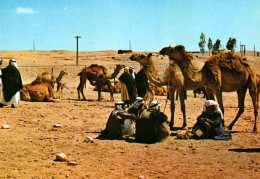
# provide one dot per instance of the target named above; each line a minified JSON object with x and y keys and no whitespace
{"x":97,"y":68}
{"x":228,"y":61}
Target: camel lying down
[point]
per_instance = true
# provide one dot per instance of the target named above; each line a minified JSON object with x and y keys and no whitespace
{"x":41,"y":92}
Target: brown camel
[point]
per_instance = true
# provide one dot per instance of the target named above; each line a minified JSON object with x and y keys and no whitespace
{"x":225,"y":72}
{"x":116,"y":88}
{"x":97,"y":76}
{"x":41,"y":92}
{"x":172,"y":77}
{"x":50,"y":78}
{"x":158,"y":90}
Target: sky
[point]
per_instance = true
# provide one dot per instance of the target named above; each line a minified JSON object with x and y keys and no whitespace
{"x":149,"y":25}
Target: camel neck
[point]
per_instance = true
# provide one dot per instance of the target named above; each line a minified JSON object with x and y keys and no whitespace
{"x":193,"y":76}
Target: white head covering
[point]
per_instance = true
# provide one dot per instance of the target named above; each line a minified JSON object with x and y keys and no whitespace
{"x":155,"y":105}
{"x":12,"y":61}
{"x":212,"y":103}
{"x":133,"y":71}
{"x":119,"y":105}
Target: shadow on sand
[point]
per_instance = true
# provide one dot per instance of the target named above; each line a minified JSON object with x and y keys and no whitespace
{"x":247,"y":150}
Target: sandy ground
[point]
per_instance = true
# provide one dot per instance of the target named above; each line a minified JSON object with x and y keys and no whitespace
{"x":29,"y":147}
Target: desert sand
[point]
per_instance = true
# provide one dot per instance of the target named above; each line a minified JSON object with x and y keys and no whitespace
{"x":28,"y":149}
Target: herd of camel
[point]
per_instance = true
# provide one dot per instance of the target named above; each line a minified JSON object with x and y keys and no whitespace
{"x":224,"y":72}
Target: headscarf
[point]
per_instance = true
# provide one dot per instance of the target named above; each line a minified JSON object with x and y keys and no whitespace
{"x":13,"y":62}
{"x":155,"y":105}
{"x":133,"y":71}
{"x":213,"y":103}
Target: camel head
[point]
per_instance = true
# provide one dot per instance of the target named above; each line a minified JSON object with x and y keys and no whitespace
{"x":176,"y":52}
{"x":60,"y":86}
{"x":62,"y":73}
{"x":143,"y":59}
{"x":120,"y":66}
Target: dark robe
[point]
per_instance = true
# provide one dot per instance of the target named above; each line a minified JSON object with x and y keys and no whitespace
{"x":12,"y":82}
{"x":216,"y":131}
{"x":141,"y":82}
{"x":129,"y":81}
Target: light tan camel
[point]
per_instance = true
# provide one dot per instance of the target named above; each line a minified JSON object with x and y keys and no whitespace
{"x":50,"y":78}
{"x":225,"y":72}
{"x":158,"y":90}
{"x":172,"y":77}
{"x":41,"y":92}
{"x":97,"y":76}
{"x":116,"y":88}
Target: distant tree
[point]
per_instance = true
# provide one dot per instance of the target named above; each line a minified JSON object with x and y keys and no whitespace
{"x":231,"y":44}
{"x":202,"y":43}
{"x":216,"y":46}
{"x":210,"y":45}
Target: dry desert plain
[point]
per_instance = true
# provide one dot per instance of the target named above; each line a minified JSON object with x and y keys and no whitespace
{"x":28,"y":149}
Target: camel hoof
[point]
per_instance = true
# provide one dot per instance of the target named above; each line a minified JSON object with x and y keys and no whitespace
{"x":184,"y":128}
{"x":255,"y":130}
{"x":230,"y":128}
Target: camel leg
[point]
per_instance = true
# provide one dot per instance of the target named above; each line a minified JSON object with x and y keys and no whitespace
{"x":171,"y":95}
{"x":99,"y":88}
{"x":253,"y":94}
{"x":209,"y":94}
{"x":241,"y":94}
{"x":80,"y":90}
{"x":220,"y":102}
{"x":111,"y":91}
{"x":182,"y":98}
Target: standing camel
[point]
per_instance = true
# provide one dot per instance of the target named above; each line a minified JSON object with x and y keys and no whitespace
{"x":225,"y":72}
{"x":97,"y":76}
{"x":172,"y":77}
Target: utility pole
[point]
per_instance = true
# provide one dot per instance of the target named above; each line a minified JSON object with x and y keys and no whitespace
{"x":33,"y":46}
{"x":77,"y":37}
{"x":130,"y":45}
{"x":254,"y":50}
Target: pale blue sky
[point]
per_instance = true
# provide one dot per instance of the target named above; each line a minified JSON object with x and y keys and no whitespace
{"x":110,"y":24}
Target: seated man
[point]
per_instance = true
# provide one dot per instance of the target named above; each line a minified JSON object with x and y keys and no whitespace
{"x":152,"y":125}
{"x":209,"y":124}
{"x":121,"y":123}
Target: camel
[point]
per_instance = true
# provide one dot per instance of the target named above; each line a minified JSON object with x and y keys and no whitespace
{"x":50,"y":78}
{"x":225,"y":72}
{"x":116,"y":88}
{"x":158,"y":90}
{"x":172,"y":77}
{"x":97,"y":76}
{"x":39,"y":91}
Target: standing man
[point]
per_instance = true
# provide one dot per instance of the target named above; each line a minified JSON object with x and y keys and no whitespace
{"x":1,"y":87}
{"x":12,"y":84}
{"x":128,"y":88}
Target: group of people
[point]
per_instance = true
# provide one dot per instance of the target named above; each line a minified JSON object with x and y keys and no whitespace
{"x":147,"y":125}
{"x":10,"y":84}
{"x":133,"y":85}
{"x":151,"y":125}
